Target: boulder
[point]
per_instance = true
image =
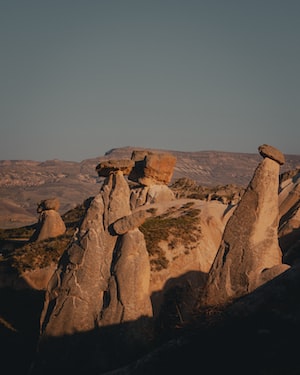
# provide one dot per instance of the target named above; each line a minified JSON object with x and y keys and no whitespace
{"x":152,"y":167}
{"x":267,"y":151}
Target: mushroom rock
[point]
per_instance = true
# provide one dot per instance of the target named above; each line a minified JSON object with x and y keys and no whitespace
{"x":49,"y":204}
{"x":50,"y":223}
{"x":249,"y":253}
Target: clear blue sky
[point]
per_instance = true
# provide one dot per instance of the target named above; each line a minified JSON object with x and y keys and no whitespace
{"x":81,"y":77}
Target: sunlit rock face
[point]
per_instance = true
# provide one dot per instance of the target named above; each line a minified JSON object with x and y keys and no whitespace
{"x":50,"y":223}
{"x":102,"y":279}
{"x":249,"y":254}
{"x":152,"y":167}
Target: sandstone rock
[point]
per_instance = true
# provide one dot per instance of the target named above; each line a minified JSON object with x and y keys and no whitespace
{"x":289,"y":231}
{"x":154,"y":168}
{"x":189,"y":258}
{"x":97,"y":263}
{"x":48,"y":204}
{"x":130,"y":222}
{"x":249,"y":253}
{"x":108,"y":166}
{"x":159,"y":193}
{"x":271,"y":152}
{"x":50,"y":225}
{"x":290,"y":200}
{"x":289,"y":224}
{"x":84,"y":269}
{"x":70,"y":305}
{"x":130,"y":281}
{"x":39,"y":278}
{"x":150,"y":194}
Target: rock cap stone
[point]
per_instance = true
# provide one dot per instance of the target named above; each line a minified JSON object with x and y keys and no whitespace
{"x":152,"y":167}
{"x":48,"y":204}
{"x":104,"y":168}
{"x":267,"y":151}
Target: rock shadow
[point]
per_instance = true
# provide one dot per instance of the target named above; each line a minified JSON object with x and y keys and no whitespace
{"x":173,"y":306}
{"x":94,"y":352}
{"x":19,"y":328}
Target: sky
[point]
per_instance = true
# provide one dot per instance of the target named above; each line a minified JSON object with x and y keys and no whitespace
{"x":79,"y":78}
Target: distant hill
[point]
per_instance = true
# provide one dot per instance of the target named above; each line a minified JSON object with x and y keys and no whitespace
{"x":23,"y":183}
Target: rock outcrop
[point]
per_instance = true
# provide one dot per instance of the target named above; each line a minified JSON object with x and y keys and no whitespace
{"x":152,"y":167}
{"x":289,"y":225}
{"x":92,"y":287}
{"x":249,"y":254}
{"x":108,"y":166}
{"x":50,"y":223}
{"x":153,"y":172}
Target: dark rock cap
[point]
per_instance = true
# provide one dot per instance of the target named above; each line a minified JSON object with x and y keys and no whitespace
{"x":108,"y":166}
{"x":267,"y":151}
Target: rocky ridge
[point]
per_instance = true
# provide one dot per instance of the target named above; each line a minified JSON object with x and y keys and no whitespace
{"x":23,"y":183}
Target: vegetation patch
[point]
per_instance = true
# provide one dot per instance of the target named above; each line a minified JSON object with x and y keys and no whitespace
{"x":15,"y":233}
{"x":183,"y":229}
{"x":41,"y":254}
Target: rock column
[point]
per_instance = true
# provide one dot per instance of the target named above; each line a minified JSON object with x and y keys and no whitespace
{"x":249,"y":254}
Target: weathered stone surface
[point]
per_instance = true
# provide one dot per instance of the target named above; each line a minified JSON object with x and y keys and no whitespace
{"x":108,"y":166}
{"x":75,"y":293}
{"x":159,"y":194}
{"x":249,"y":253}
{"x":150,"y":194}
{"x":39,"y":278}
{"x":70,"y":304}
{"x":97,"y":263}
{"x":289,"y":224}
{"x":130,"y":281}
{"x":130,"y":222}
{"x":271,"y":152}
{"x":48,"y":204}
{"x":289,"y":234}
{"x":50,"y":225}
{"x":154,"y":168}
{"x":288,"y":202}
{"x":116,"y":195}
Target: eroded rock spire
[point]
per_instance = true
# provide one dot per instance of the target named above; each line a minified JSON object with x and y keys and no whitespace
{"x":249,"y":254}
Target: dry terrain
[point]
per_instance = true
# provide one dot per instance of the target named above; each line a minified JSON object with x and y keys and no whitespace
{"x":23,"y":183}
